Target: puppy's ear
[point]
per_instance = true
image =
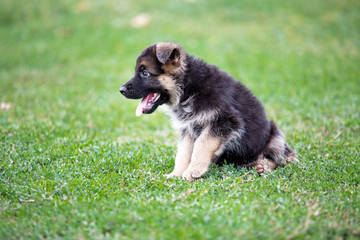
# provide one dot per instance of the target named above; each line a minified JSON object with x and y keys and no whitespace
{"x":167,"y":52}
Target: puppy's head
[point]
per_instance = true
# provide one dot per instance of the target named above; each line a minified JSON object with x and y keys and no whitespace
{"x":158,"y":75}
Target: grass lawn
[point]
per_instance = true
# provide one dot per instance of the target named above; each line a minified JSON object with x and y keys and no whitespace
{"x":76,"y":163}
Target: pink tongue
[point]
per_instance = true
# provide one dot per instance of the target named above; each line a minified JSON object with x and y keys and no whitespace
{"x":142,"y":104}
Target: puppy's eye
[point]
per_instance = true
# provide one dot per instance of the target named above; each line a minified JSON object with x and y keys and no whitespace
{"x":145,"y":73}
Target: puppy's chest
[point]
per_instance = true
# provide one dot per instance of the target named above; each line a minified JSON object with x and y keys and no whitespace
{"x":183,"y":118}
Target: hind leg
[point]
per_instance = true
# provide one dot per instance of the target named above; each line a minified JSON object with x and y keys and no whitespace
{"x":290,"y":155}
{"x":263,"y":165}
{"x":276,"y":153}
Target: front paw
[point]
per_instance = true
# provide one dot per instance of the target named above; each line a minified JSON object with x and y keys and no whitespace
{"x":172,"y":175}
{"x":192,"y":174}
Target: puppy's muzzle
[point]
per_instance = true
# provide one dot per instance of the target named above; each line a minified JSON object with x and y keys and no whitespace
{"x":129,"y":91}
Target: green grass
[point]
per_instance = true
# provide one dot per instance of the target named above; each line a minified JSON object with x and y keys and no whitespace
{"x":72,"y":144}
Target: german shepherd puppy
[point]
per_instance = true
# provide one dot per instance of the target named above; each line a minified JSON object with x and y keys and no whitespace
{"x":220,"y":120}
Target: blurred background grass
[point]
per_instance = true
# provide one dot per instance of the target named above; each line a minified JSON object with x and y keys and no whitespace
{"x":62,"y":63}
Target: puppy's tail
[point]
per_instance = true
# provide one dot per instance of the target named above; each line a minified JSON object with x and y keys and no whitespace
{"x":277,"y":149}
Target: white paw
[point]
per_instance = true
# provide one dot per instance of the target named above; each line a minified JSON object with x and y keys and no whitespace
{"x":192,"y":174}
{"x":172,"y":175}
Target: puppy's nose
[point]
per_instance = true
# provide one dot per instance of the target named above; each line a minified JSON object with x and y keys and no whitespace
{"x":122,"y":90}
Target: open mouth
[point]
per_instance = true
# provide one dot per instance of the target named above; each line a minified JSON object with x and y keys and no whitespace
{"x":147,"y":104}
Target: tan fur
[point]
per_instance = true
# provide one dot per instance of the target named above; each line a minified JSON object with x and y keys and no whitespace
{"x":149,"y":65}
{"x":183,"y":156}
{"x":204,"y":150}
{"x":276,"y":145}
{"x":169,"y":84}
